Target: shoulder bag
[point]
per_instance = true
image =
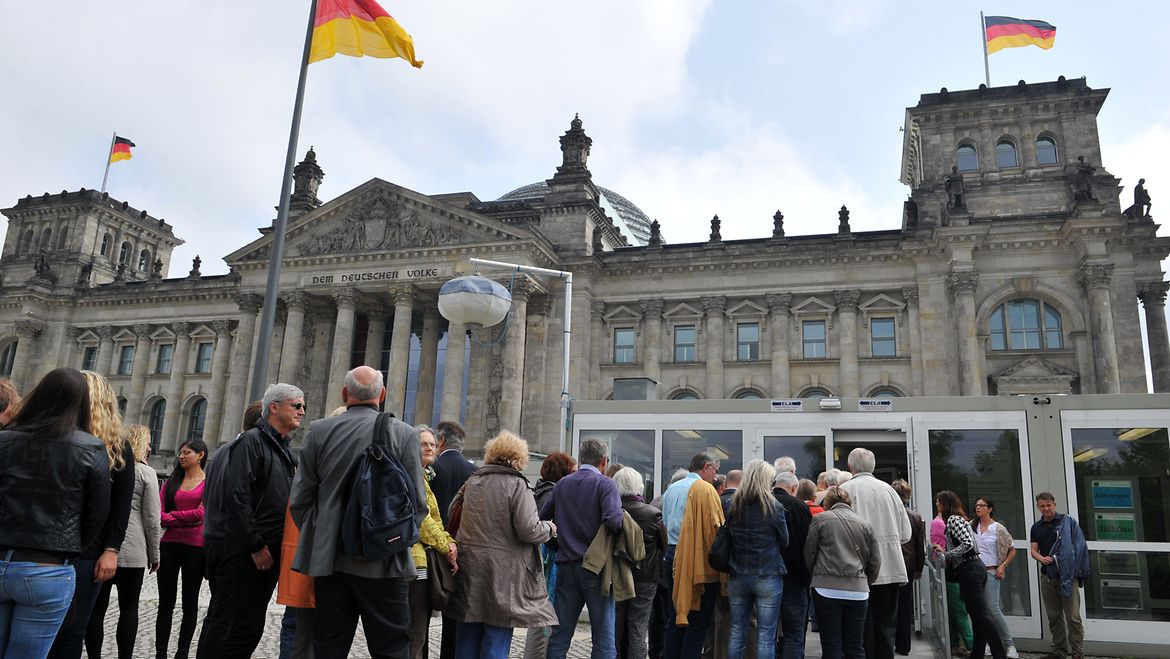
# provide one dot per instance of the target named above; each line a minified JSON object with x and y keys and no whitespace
{"x":719,"y":556}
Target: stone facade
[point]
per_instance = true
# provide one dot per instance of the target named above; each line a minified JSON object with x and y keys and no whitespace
{"x":1014,"y":273}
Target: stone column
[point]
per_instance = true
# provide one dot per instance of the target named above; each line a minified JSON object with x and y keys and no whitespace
{"x":26,"y":332}
{"x":236,"y":398}
{"x":219,"y":376}
{"x":292,"y":348}
{"x":652,"y":338}
{"x":138,"y":374}
{"x":375,"y":334}
{"x":169,"y":440}
{"x":428,"y":359}
{"x":779,"y":305}
{"x":1153,"y":297}
{"x":399,"y":350}
{"x":339,"y":365}
{"x":1096,"y":277}
{"x":539,"y":391}
{"x":105,"y":356}
{"x":847,"y":340}
{"x":512,"y":384}
{"x":713,"y":346}
{"x":452,"y":399}
{"x":597,"y":346}
{"x":910,"y":294}
{"x":962,"y":285}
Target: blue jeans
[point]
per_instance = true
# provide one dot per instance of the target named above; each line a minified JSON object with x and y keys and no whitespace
{"x":475,"y":640}
{"x":764,"y":593}
{"x":577,"y":587}
{"x":793,"y":616}
{"x":33,"y":601}
{"x":991,"y":591}
{"x":842,"y":626}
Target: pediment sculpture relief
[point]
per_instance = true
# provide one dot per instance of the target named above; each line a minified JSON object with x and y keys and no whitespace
{"x":381,"y":224}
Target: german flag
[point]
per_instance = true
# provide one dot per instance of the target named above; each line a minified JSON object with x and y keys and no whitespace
{"x":121,"y":149}
{"x":359,"y":28}
{"x":1006,"y":32}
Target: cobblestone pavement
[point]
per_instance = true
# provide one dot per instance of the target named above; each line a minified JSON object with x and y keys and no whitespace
{"x":270,"y":645}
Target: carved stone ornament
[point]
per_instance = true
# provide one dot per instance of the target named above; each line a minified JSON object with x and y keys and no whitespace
{"x":847,"y":298}
{"x":781,"y":302}
{"x":181,"y":328}
{"x":843,"y":220}
{"x":715,"y":304}
{"x":104,"y":331}
{"x":910,"y":294}
{"x":27,"y":329}
{"x":598,"y":308}
{"x":142,"y":330}
{"x":381,"y":224}
{"x":345,"y":298}
{"x":715,"y":235}
{"x":1153,"y":294}
{"x":778,"y":225}
{"x":651,"y":308}
{"x":295,"y":299}
{"x":221,"y":327}
{"x":962,"y":282}
{"x":249,"y":302}
{"x":1091,"y":275}
{"x":404,"y":296}
{"x":655,"y":235}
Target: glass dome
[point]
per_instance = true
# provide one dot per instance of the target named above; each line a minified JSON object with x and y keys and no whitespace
{"x":630,"y":219}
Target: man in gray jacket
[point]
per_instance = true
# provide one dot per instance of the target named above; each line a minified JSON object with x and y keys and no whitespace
{"x":347,"y":587}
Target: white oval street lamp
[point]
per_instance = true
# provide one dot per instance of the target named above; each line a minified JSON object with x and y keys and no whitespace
{"x":474,"y":300}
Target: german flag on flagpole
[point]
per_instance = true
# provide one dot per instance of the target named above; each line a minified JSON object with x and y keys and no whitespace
{"x":359,"y":28}
{"x":1005,"y":32}
{"x":121,"y":149}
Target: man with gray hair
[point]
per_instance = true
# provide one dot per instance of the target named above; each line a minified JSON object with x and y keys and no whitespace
{"x":452,"y":470}
{"x":794,"y":598}
{"x":785,"y":463}
{"x":251,"y":508}
{"x":880,"y":505}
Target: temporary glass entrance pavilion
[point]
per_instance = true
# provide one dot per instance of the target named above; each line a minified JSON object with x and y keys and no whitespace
{"x":1106,"y":458}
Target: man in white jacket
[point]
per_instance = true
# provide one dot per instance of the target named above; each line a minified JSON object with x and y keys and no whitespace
{"x":877,"y":503}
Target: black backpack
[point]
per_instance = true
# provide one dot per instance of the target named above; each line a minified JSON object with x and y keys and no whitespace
{"x":378,"y":520}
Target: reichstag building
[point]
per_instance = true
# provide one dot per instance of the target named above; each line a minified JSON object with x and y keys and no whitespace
{"x":1015,"y":268}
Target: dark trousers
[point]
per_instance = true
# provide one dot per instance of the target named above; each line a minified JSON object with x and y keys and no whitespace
{"x":71,"y":636}
{"x":658,"y":621}
{"x":972,"y":576}
{"x":420,"y":617}
{"x":239,"y":606}
{"x":175,"y":559}
{"x":447,"y":641}
{"x":382,"y":605}
{"x":129,"y":583}
{"x":685,"y":642}
{"x":296,"y":633}
{"x":905,"y":627}
{"x":881,"y":621}
{"x":793,"y":619}
{"x":842,"y":627}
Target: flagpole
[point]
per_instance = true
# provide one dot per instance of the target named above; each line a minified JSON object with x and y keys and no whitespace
{"x":268,"y":314}
{"x":109,"y":155}
{"x":983,"y":38}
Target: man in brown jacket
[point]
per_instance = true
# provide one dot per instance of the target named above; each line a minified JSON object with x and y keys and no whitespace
{"x":914,"y":555}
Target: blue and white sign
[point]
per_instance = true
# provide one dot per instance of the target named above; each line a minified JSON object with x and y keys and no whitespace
{"x":875,"y":404}
{"x":787,"y":405}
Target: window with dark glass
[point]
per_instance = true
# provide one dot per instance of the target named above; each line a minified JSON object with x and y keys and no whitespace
{"x":623,"y":345}
{"x":749,"y":394}
{"x":47,"y":238}
{"x":685,"y":395}
{"x":747,"y":341}
{"x":155,"y":424}
{"x":106,"y":240}
{"x":125,"y":360}
{"x":885,"y":392}
{"x":7,"y":358}
{"x":1045,"y":151}
{"x":684,"y":343}
{"x":813,"y":334}
{"x":124,"y":253}
{"x":815,"y":394}
{"x":144,"y":260}
{"x":966,"y":158}
{"x":1025,"y":325}
{"x":198,"y":417}
{"x":26,"y":242}
{"x":882,"y":340}
{"x":203,"y":358}
{"x":166,"y":353}
{"x":1006,"y":155}
{"x":122,"y":406}
{"x":89,"y":358}
{"x":63,"y":238}
{"x":678,"y":446}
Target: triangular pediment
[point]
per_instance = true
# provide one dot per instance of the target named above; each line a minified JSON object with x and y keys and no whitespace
{"x":747,"y":308}
{"x":881,"y":303}
{"x":377,"y":217}
{"x":622,"y":313}
{"x":813,"y":305}
{"x":1035,"y":367}
{"x":682,"y":311}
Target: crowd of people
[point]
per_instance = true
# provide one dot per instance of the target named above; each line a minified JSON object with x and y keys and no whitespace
{"x":82,"y":514}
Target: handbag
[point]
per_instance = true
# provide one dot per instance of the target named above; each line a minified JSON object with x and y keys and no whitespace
{"x":719,"y":557}
{"x":440,"y":580}
{"x":455,"y":513}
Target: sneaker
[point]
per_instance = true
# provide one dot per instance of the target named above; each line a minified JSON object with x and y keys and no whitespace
{"x":1012,"y":653}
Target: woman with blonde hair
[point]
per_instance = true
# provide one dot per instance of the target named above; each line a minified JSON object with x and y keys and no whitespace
{"x":500,"y":584}
{"x":99,"y":560}
{"x":759,"y":531}
{"x":139,"y":551}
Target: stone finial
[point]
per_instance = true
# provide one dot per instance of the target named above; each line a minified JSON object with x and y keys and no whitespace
{"x":655,"y":235}
{"x":778,"y":225}
{"x":195,"y":263}
{"x":307,"y":177}
{"x":156,"y":269}
{"x":715,"y":236}
{"x":575,"y":145}
{"x":120,"y":274}
{"x":843,"y":220}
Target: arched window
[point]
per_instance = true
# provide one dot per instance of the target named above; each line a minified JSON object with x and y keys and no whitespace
{"x":26,"y":242}
{"x":966,"y":158}
{"x":63,"y":238}
{"x":157,"y":411}
{"x":198,"y":417}
{"x":144,"y":260}
{"x":124,"y":253}
{"x":47,"y":238}
{"x":816,"y":393}
{"x":749,"y":394}
{"x":1045,"y":150}
{"x":885,"y":392}
{"x":1025,"y":325}
{"x":685,"y":394}
{"x":106,"y":241}
{"x":1006,"y":155}
{"x":7,"y":358}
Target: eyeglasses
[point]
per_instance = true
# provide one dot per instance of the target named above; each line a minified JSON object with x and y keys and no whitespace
{"x":982,"y":505}
{"x":297,"y":406}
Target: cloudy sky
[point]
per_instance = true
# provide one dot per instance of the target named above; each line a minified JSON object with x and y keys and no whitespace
{"x":695,"y":107}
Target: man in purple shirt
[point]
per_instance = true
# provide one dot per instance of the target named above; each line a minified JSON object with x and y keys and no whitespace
{"x":579,"y":505}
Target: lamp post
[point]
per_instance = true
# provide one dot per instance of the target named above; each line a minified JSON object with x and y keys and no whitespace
{"x":470,"y":300}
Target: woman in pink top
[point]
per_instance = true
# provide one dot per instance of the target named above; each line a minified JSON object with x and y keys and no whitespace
{"x":181,"y":548}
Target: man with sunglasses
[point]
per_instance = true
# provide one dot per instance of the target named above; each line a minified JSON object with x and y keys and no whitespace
{"x":256,"y":484}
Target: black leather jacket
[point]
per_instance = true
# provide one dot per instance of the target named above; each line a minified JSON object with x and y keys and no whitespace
{"x":54,"y":492}
{"x":257,"y":481}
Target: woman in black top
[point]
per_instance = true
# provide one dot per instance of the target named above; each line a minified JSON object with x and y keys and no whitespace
{"x":54,"y":497}
{"x":962,"y":555}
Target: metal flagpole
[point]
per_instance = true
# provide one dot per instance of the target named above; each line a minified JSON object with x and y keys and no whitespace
{"x":268,"y":314}
{"x":109,"y":155}
{"x":983,"y":38}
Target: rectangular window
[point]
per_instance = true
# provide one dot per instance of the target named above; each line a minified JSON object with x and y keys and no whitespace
{"x":813,"y":333}
{"x":203,"y":358}
{"x":747,"y":341}
{"x":89,"y":359}
{"x":125,"y":360}
{"x":165,"y":354}
{"x":881,"y":333}
{"x":684,"y":343}
{"x":623,"y":346}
